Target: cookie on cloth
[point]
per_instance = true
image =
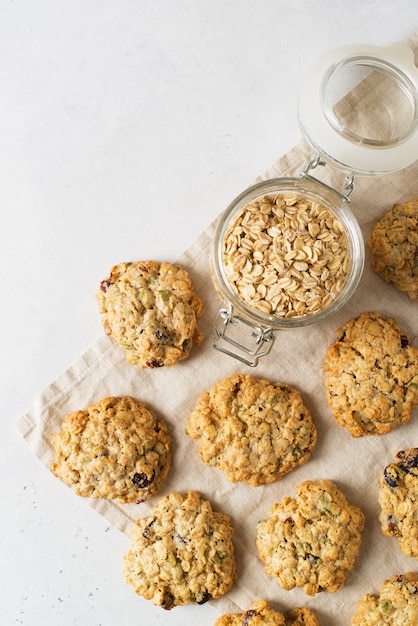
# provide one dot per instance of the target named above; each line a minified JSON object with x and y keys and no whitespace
{"x":116,"y":449}
{"x":254,"y":430}
{"x":151,"y":310}
{"x":372,"y":375}
{"x":182,"y":553}
{"x":311,"y":540}
{"x":261,"y":614}
{"x":396,"y":604}
{"x":301,"y":617}
{"x":394,"y":245}
{"x":398,"y":499}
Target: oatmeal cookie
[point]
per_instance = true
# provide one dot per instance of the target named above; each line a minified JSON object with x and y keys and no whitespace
{"x":116,"y":449}
{"x":397,"y":604}
{"x":394,"y":245}
{"x":182,"y":553}
{"x":260,"y":614}
{"x":151,"y":310}
{"x":253,"y":430}
{"x":311,"y":540}
{"x":398,"y":497}
{"x":372,"y":382}
{"x":301,"y":617}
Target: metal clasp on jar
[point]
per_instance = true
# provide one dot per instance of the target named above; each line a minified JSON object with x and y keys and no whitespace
{"x":349,"y":183}
{"x":231,"y":331}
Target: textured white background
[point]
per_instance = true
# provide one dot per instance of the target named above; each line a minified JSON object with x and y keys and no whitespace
{"x":125,"y":127}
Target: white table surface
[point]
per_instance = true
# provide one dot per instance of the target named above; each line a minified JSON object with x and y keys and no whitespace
{"x":125,"y":127}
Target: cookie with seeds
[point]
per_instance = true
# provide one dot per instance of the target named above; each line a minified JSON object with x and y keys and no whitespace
{"x":311,"y":540}
{"x":151,"y":310}
{"x":372,"y":375}
{"x":182,"y":553}
{"x":398,"y":497}
{"x":396,"y":604}
{"x":254,"y":430}
{"x":393,"y":242}
{"x":261,"y":614}
{"x":116,"y":449}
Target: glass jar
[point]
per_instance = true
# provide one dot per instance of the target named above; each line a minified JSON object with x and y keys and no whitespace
{"x":288,"y":252}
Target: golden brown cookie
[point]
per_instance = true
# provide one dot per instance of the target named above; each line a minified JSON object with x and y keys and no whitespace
{"x":116,"y":449}
{"x":253,"y":430}
{"x":394,"y":245}
{"x":151,"y":310}
{"x":311,"y":540}
{"x":261,"y":614}
{"x":398,"y":499}
{"x":301,"y":617}
{"x":372,"y":375}
{"x":182,"y":553}
{"x":396,"y":605}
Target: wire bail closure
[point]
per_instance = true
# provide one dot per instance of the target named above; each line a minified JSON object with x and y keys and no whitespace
{"x":349,"y":183}
{"x":260,"y":340}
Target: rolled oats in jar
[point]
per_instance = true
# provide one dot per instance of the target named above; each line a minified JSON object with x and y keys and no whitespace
{"x":286,"y":255}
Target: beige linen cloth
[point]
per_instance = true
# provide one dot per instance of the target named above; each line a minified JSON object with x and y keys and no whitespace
{"x":297,"y":359}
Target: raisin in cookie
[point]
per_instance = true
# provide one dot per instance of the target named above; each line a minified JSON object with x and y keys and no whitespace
{"x":260,"y":614}
{"x":394,"y":245}
{"x":398,"y":497}
{"x":116,"y":449}
{"x":182,"y":553}
{"x":372,"y":382}
{"x":151,"y":310}
{"x":397,"y":604}
{"x":253,"y":430}
{"x":311,"y":540}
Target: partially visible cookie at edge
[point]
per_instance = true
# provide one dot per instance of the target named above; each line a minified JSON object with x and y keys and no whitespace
{"x":397,"y":603}
{"x":372,"y":375}
{"x":151,"y":310}
{"x":253,"y":430}
{"x":311,"y":540}
{"x":301,"y":617}
{"x":398,"y":497}
{"x":182,"y":553}
{"x":261,"y":614}
{"x":393,"y":242}
{"x":116,"y":448}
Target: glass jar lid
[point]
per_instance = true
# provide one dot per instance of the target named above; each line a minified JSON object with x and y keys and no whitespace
{"x":358,"y":106}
